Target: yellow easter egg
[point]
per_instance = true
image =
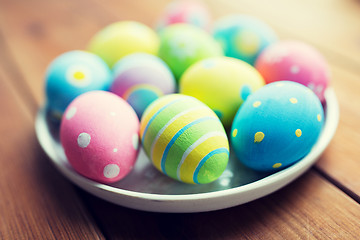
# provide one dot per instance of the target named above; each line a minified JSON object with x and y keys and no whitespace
{"x":223,"y":83}
{"x":122,"y":38}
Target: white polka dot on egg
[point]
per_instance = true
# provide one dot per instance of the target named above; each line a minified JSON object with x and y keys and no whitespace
{"x":83,"y":140}
{"x":111,"y":171}
{"x":294,"y":69}
{"x":70,"y":113}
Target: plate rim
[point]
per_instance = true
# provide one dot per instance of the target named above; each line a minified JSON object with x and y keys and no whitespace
{"x":275,"y":180}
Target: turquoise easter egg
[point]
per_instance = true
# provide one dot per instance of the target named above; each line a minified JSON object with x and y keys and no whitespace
{"x":72,"y":74}
{"x":243,"y":37}
{"x":277,"y":126}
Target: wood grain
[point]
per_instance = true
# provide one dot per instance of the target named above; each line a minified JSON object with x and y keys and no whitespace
{"x":35,"y":200}
{"x":310,"y":208}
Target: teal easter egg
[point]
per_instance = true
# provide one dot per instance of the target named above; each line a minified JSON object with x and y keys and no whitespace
{"x":184,"y":139}
{"x":277,"y":126}
{"x":72,"y":74}
{"x":243,"y":37}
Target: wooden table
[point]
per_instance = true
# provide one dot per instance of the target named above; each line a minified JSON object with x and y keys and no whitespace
{"x":37,"y":202}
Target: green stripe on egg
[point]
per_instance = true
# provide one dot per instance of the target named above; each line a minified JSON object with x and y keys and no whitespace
{"x":163,"y":116}
{"x":185,"y":139}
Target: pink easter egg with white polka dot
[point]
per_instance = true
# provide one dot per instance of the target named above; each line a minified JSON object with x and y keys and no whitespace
{"x":100,"y":135}
{"x":295,"y":61}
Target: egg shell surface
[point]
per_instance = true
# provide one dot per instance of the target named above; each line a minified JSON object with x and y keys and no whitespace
{"x":181,"y":45}
{"x":222,"y":83}
{"x":100,"y":136}
{"x":243,"y":37}
{"x":185,"y":11}
{"x":71,"y":74}
{"x":140,"y":78}
{"x":184,"y":139}
{"x":295,"y":61}
{"x":122,"y":38}
{"x":277,"y":126}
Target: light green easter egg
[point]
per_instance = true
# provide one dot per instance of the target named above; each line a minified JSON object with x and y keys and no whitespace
{"x":181,"y":45}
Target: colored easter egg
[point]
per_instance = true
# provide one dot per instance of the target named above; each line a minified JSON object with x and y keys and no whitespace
{"x":184,"y":139}
{"x":185,"y":11}
{"x":72,"y":74}
{"x":122,"y":38}
{"x":295,"y":61}
{"x":277,"y":126}
{"x":140,"y":78}
{"x":243,"y":37}
{"x":100,"y":136}
{"x":222,"y":83}
{"x":181,"y":45}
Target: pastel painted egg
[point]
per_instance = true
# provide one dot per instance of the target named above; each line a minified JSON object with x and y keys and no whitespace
{"x":184,"y":139}
{"x":277,"y":126}
{"x":122,"y":38}
{"x":182,"y":45}
{"x":243,"y":37}
{"x":295,"y":61}
{"x":72,"y":74}
{"x":222,"y":83}
{"x":185,"y":11}
{"x":140,"y":78}
{"x":100,"y":136}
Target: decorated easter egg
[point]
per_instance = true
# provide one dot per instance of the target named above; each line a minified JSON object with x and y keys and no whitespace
{"x":72,"y":74}
{"x":184,"y":139}
{"x":222,"y":83}
{"x":100,"y":136}
{"x":185,"y":11}
{"x":277,"y":126}
{"x":122,"y":38}
{"x":140,"y":78}
{"x":182,"y":45}
{"x":295,"y":61}
{"x":243,"y":37}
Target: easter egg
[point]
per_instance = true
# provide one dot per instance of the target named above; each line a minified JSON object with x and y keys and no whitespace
{"x":222,"y":83}
{"x":184,"y":139}
{"x":122,"y":38}
{"x":100,"y":136}
{"x":295,"y":61}
{"x":276,"y":126}
{"x":243,"y":37}
{"x":185,"y":11}
{"x":140,"y":78}
{"x":181,"y":45}
{"x":72,"y":74}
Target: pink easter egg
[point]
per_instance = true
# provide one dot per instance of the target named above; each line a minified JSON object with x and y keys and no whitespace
{"x":295,"y":61}
{"x":100,"y":135}
{"x":193,"y":12}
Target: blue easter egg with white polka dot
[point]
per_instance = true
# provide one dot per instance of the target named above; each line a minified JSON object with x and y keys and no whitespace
{"x":277,"y":126}
{"x":71,"y":74}
{"x":243,"y":37}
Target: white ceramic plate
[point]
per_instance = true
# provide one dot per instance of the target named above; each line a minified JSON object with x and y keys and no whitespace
{"x":147,"y":189}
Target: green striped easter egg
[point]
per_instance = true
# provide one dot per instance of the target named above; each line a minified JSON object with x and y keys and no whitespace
{"x":184,"y":139}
